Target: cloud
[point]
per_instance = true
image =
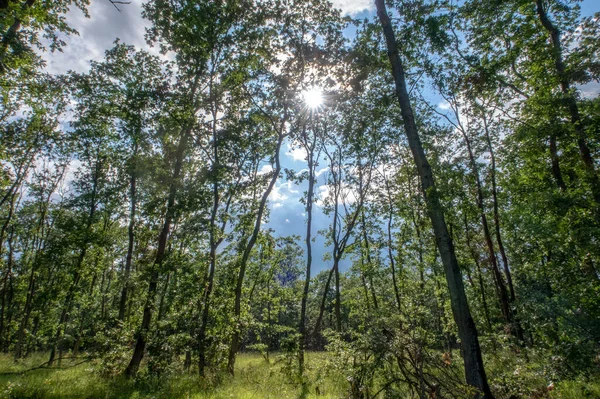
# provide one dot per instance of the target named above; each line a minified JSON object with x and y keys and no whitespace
{"x":445,"y":105}
{"x":97,"y":34}
{"x":353,"y":7}
{"x":265,"y":169}
{"x":296,"y":153}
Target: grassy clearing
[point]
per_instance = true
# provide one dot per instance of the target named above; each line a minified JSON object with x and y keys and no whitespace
{"x":255,"y":378}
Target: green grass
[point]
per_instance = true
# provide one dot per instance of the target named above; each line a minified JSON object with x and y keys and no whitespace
{"x":254,"y":378}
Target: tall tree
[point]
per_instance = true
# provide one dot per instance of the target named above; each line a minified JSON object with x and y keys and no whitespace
{"x":474,"y":368}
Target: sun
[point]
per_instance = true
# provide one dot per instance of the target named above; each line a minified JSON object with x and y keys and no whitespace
{"x":313,"y":97}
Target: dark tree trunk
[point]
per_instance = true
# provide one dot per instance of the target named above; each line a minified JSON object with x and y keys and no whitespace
{"x":338,"y":297}
{"x":556,"y":164}
{"x":474,"y":368}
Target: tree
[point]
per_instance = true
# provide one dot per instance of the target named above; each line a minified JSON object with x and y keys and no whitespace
{"x":474,"y":368}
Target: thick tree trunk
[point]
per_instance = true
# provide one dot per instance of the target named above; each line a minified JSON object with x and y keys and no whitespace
{"x":11,"y":34}
{"x":474,"y":367}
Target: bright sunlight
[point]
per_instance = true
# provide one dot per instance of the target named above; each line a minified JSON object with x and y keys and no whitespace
{"x":313,"y":97}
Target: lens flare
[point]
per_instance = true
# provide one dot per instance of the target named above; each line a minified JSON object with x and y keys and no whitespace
{"x":313,"y":97}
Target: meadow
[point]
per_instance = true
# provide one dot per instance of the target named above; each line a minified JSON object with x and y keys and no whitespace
{"x":255,"y":378}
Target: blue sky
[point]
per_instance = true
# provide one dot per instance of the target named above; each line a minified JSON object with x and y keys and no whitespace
{"x":105,"y":24}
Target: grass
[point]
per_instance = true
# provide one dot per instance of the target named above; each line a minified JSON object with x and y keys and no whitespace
{"x":255,"y":378}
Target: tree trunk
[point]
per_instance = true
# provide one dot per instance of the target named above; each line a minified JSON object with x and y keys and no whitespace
{"x":323,"y":301}
{"x":70,"y":297}
{"x":235,"y":340}
{"x":140,"y":344}
{"x":302,"y":344}
{"x":474,"y":368}
{"x":130,"y":245}
{"x":571,"y":102}
{"x":368,"y":256}
{"x":498,"y":278}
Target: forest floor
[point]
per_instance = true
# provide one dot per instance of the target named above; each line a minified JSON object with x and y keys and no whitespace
{"x":254,"y":378}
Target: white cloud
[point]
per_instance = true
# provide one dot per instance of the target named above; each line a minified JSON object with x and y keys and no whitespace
{"x":282,"y":192}
{"x":445,"y":105}
{"x":320,"y":172}
{"x":353,"y":7}
{"x":97,"y":34}
{"x":265,"y":169}
{"x":296,"y":153}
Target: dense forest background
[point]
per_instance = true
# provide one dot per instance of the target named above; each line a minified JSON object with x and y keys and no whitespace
{"x":448,"y":147}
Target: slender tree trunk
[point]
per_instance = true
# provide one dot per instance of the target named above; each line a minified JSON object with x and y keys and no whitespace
{"x":498,"y":278}
{"x":497,"y":212}
{"x":390,"y":245}
{"x":570,"y":100}
{"x":235,"y":340}
{"x":131,"y":242}
{"x":323,"y":302}
{"x":142,"y":335}
{"x":368,"y":256}
{"x":214,"y":243}
{"x":338,"y":299}
{"x":161,"y":306}
{"x":556,"y":164}
{"x":517,"y":324}
{"x":8,"y":272}
{"x":479,"y":274}
{"x":70,"y":297}
{"x":302,"y":343}
{"x":474,"y":367}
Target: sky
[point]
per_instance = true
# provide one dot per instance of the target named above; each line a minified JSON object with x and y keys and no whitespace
{"x":98,"y":33}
